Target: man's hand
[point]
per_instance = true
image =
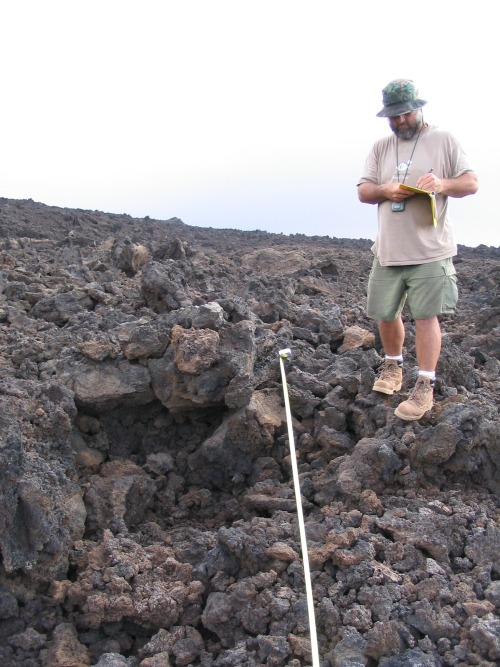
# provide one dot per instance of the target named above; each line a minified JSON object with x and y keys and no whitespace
{"x":430,"y":182}
{"x":395,"y":193}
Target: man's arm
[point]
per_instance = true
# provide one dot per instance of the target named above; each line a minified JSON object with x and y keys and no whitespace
{"x":461,"y":186}
{"x":374,"y":193}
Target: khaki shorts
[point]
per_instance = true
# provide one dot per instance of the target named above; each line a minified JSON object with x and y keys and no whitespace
{"x":428,"y":290}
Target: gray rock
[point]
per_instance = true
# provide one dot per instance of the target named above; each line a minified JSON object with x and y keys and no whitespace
{"x":147,"y":496}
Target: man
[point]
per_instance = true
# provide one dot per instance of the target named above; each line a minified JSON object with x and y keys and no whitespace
{"x":413,"y":258}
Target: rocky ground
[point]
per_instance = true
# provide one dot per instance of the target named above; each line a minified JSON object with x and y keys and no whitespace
{"x":147,"y":509}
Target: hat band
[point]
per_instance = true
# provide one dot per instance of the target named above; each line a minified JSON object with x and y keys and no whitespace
{"x":399,"y":108}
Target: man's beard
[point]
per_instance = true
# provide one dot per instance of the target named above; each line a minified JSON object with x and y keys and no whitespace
{"x":408,"y":131}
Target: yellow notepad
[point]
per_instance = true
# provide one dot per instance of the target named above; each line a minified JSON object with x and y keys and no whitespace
{"x":430,"y":194}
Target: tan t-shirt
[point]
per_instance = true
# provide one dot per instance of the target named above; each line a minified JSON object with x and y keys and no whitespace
{"x":409,"y":237}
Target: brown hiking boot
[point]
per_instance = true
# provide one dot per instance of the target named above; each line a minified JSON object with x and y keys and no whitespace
{"x":418,"y":402}
{"x":390,"y":377}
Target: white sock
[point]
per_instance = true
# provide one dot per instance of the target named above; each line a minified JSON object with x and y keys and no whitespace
{"x":399,"y":358}
{"x":430,"y":375}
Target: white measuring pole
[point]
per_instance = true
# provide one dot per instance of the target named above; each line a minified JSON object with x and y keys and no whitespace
{"x":284,"y":354}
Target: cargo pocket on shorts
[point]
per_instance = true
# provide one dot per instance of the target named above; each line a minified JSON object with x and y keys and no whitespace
{"x":450,"y":291}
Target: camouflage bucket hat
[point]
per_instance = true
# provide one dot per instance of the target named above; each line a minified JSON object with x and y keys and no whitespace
{"x":400,"y":96}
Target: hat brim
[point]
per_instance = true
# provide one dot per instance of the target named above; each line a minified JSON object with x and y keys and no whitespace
{"x":401,"y":108}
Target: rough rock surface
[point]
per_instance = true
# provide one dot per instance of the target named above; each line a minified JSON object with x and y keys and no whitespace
{"x":147,"y":506}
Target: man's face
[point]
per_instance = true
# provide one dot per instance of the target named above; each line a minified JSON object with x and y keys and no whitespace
{"x":406,"y":125}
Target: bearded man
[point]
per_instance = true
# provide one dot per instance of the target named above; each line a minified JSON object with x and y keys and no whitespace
{"x":414,"y":246}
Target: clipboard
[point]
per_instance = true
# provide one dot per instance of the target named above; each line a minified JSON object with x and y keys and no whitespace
{"x":430,"y":194}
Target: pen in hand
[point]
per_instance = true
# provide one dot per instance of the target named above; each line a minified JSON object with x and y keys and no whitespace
{"x":422,"y":178}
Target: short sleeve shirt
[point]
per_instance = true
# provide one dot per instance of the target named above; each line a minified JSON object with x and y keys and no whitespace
{"x":409,"y":237}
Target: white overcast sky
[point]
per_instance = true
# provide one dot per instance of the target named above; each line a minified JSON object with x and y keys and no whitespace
{"x":243,"y":114}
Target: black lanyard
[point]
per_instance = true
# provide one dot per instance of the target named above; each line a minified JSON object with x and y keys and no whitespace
{"x":409,"y":161}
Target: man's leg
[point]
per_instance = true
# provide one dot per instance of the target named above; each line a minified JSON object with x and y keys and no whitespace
{"x":386,"y":297}
{"x":428,"y":343}
{"x":428,"y":348}
{"x":392,"y":335}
